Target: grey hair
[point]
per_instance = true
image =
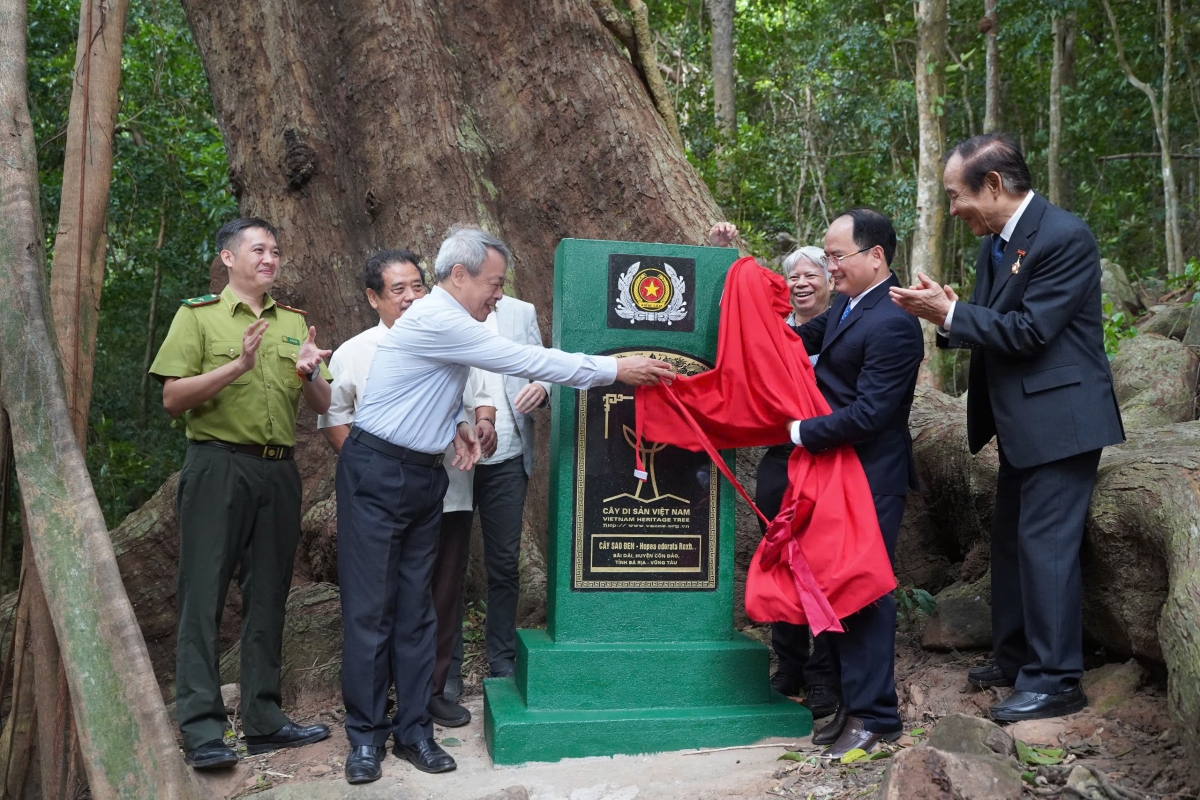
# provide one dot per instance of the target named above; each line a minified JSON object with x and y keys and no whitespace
{"x":466,"y":245}
{"x":814,"y":254}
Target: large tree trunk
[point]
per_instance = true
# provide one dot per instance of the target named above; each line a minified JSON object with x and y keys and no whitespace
{"x":1140,"y":558}
{"x":928,"y":247}
{"x":128,"y":745}
{"x":1062,"y":30}
{"x":720,"y":15}
{"x":523,"y":117}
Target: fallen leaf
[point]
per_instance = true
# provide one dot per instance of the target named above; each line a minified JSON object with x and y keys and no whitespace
{"x":879,"y":754}
{"x":915,"y":732}
{"x":450,"y":741}
{"x":854,"y":755}
{"x":790,"y":756}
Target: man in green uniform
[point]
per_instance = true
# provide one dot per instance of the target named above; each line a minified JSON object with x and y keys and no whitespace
{"x":234,"y":365}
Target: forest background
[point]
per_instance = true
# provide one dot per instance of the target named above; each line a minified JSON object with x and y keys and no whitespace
{"x":825,"y":93}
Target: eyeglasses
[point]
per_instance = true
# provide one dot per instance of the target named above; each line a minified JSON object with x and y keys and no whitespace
{"x":840,"y":259}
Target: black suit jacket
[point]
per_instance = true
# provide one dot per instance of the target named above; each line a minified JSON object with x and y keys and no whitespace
{"x":1039,"y":380}
{"x":867,"y":372}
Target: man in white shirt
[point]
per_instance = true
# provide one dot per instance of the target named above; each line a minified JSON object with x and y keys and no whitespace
{"x":391,"y":485}
{"x":393,"y":283}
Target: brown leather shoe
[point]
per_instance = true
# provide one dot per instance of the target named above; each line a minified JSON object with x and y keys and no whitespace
{"x":830,"y":733}
{"x":855,"y":736}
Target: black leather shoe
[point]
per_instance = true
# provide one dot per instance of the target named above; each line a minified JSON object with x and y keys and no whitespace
{"x":1031,"y":705}
{"x":450,"y":715}
{"x":454,"y":688}
{"x":290,"y":735}
{"x":989,"y":676}
{"x":785,"y":684}
{"x":211,"y":755}
{"x":830,"y":733}
{"x":856,"y":737}
{"x":821,"y":700}
{"x":426,"y":755}
{"x":363,"y":765}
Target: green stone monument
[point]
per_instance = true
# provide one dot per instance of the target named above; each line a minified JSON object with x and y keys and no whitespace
{"x":639,"y":653}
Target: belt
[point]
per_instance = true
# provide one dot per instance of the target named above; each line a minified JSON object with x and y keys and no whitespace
{"x":396,"y":451}
{"x":271,"y":452}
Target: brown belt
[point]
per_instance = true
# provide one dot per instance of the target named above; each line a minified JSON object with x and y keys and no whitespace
{"x":271,"y":452}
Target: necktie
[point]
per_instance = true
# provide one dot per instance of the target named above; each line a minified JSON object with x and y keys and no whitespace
{"x":997,"y":252}
{"x":845,"y":313}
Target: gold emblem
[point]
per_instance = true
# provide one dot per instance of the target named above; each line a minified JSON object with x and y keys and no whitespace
{"x":650,"y":294}
{"x":1016,"y":267}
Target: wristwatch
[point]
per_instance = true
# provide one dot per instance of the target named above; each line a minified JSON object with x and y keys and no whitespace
{"x":312,"y":376}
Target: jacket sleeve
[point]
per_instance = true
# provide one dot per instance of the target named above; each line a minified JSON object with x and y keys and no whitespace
{"x":812,"y":333}
{"x":1058,"y":286}
{"x":533,"y":336}
{"x":893,"y":353}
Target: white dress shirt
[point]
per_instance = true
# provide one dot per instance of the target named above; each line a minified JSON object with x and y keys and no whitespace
{"x":413,"y":396}
{"x":1006,"y":234}
{"x":508,"y":435}
{"x":350,"y":365}
{"x":794,"y":428}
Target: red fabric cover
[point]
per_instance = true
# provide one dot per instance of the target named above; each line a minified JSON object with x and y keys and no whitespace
{"x":824,"y":550}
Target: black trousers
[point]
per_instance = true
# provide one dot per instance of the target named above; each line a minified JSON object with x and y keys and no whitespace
{"x":1037,"y":588}
{"x":789,"y":641}
{"x":233,"y":508}
{"x":865,"y":652}
{"x":449,"y":570}
{"x":389,"y":520}
{"x":500,"y":497}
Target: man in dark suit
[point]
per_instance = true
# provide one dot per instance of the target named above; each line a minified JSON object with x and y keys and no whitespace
{"x":1040,"y":383}
{"x":870,"y":351}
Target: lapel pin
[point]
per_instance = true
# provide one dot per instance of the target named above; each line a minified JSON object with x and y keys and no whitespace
{"x":1016,"y":267}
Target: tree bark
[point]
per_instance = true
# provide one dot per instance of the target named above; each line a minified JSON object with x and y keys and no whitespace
{"x":990,"y":26}
{"x":77,"y":273}
{"x":152,"y":322}
{"x":1162,"y":127}
{"x":929,"y":233}
{"x":522,"y":117}
{"x":720,"y":15}
{"x":127,"y":741}
{"x":1060,"y":30}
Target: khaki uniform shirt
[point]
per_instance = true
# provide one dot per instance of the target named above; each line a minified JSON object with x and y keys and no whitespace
{"x":258,"y":407}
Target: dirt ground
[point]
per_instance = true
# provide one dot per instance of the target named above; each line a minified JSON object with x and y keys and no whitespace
{"x":1126,"y":734}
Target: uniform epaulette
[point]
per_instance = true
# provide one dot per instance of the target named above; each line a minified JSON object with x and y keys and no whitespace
{"x":289,"y":308}
{"x":203,"y":300}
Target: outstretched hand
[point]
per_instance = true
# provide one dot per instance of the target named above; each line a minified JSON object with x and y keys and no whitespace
{"x":642,"y":371}
{"x":310,"y":355}
{"x":927,"y":300}
{"x":467,"y":450}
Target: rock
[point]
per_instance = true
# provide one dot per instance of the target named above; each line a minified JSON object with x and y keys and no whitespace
{"x":962,"y":619}
{"x":511,"y":793}
{"x":1112,"y":684}
{"x":962,"y":733}
{"x":312,"y":646}
{"x":1171,"y":320}
{"x":1048,"y":732}
{"x":1192,"y":337}
{"x":1115,"y":283}
{"x":932,"y":774}
{"x":1086,"y":784}
{"x":225,"y":783}
{"x":338,"y":790}
{"x":1155,"y":381}
{"x":231,"y":696}
{"x":318,"y":770}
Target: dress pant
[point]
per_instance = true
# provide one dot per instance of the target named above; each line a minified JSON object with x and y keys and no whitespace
{"x":865,"y":652}
{"x":1037,"y":530}
{"x":389,"y":521}
{"x":234,"y":509}
{"x":448,"y":572}
{"x":789,"y":641}
{"x":500,"y":497}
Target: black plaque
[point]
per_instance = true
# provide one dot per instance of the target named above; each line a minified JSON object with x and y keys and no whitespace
{"x":651,"y":293}
{"x":652,"y":535}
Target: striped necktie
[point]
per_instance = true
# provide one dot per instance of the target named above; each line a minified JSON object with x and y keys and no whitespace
{"x":845,"y":313}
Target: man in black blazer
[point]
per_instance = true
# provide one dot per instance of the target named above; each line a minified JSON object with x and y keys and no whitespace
{"x":870,"y":351}
{"x":1040,"y":383}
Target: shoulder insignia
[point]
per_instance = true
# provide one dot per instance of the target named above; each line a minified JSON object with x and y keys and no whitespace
{"x":203,"y":300}
{"x":300,"y":311}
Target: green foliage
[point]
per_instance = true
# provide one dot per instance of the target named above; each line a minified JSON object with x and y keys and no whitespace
{"x":1038,"y":756}
{"x":1118,"y":325}
{"x":169,"y":181}
{"x":913,"y":602}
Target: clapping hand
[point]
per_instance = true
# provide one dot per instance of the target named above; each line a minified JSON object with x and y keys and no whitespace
{"x":310,"y":356}
{"x":251,"y":340}
{"x":927,"y":300}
